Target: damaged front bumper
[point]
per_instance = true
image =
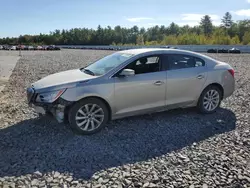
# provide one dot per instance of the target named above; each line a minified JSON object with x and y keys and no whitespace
{"x":57,"y":108}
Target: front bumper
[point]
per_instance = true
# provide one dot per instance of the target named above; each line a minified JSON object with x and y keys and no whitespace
{"x":30,"y":95}
{"x":38,"y":109}
{"x":57,"y":108}
{"x":31,"y":98}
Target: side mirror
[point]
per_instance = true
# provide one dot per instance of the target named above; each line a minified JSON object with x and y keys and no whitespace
{"x":127,"y":72}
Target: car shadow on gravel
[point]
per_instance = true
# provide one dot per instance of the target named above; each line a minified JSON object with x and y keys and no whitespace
{"x":44,"y":145}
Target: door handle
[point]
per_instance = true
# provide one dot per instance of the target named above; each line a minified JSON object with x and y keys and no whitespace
{"x":158,"y":83}
{"x":200,"y":76}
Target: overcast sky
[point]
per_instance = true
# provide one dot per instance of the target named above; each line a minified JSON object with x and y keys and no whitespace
{"x":20,"y":17}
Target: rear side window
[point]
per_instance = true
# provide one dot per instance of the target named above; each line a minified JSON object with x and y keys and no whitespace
{"x":178,"y":61}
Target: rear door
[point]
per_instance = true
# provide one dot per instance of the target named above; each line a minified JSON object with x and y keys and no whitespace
{"x":186,"y":76}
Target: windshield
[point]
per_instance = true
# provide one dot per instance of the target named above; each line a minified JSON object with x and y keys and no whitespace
{"x":107,"y":63}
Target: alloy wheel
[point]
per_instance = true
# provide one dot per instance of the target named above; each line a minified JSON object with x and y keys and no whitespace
{"x":89,"y":117}
{"x":211,"y":100}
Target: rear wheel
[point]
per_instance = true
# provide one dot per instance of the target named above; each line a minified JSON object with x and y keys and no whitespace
{"x":88,"y":116}
{"x":210,"y":100}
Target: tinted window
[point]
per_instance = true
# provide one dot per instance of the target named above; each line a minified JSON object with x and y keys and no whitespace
{"x":183,"y":61}
{"x":145,"y":65}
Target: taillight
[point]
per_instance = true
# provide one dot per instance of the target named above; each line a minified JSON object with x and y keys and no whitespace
{"x":231,"y":72}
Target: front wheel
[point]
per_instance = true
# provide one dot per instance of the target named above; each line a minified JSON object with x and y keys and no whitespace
{"x":210,"y":100}
{"x":88,"y":116}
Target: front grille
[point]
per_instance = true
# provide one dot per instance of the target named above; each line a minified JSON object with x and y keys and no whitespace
{"x":30,"y":94}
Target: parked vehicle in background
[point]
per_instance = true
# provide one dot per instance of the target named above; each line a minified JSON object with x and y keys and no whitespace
{"x":57,"y":48}
{"x":132,"y":82}
{"x":30,"y":48}
{"x":223,"y":50}
{"x":212,"y":51}
{"x":39,"y":47}
{"x":13,"y":48}
{"x":20,"y":47}
{"x":25,"y":47}
{"x":49,"y":47}
{"x":52,"y":47}
{"x":44,"y":47}
{"x":234,"y":51}
{"x":6,"y":47}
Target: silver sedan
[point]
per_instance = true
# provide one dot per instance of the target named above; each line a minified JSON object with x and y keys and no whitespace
{"x":132,"y":82}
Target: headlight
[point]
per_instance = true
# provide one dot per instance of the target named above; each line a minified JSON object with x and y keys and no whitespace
{"x":49,"y":97}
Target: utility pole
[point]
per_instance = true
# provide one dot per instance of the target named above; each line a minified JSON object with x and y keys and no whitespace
{"x":20,"y":50}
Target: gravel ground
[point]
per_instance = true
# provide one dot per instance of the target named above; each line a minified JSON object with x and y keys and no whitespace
{"x":179,"y":148}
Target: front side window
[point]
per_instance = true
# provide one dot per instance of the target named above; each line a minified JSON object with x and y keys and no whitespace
{"x":177,"y":61}
{"x":145,"y":65}
{"x":107,"y":63}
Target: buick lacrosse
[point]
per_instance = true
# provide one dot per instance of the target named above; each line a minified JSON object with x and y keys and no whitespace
{"x":132,"y":82}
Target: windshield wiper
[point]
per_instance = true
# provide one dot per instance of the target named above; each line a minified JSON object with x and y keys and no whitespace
{"x":89,"y":72}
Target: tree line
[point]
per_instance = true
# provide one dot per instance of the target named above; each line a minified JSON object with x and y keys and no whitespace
{"x":229,"y":32}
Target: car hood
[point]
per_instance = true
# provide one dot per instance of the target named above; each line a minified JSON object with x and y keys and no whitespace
{"x":62,"y":79}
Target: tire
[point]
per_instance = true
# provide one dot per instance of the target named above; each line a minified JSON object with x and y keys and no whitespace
{"x":80,"y":108}
{"x":201,"y":103}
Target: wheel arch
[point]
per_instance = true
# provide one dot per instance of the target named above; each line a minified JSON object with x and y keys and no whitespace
{"x":91,"y":97}
{"x":216,"y":85}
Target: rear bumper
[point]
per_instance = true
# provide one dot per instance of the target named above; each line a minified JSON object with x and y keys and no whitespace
{"x":229,"y":88}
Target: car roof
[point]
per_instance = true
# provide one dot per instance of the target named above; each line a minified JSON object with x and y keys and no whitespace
{"x":140,"y":50}
{"x":145,"y":50}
